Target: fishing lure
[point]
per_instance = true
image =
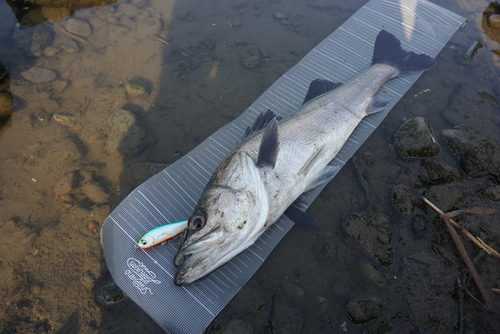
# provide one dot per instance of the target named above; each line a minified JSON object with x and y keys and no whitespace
{"x":161,"y":234}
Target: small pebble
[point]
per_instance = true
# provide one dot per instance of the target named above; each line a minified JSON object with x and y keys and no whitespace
{"x":93,"y":225}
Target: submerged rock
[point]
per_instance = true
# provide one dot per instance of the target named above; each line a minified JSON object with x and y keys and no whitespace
{"x":251,"y":62}
{"x":42,"y":38}
{"x":439,"y":172}
{"x":136,"y":87}
{"x":94,"y":192}
{"x":415,"y":139}
{"x":369,"y":313}
{"x":402,"y":200}
{"x":109,"y":294}
{"x":373,"y":231}
{"x":492,"y":192}
{"x":63,"y":119}
{"x":78,"y":27}
{"x":362,"y":310}
{"x":449,"y":195}
{"x":478,"y":156}
{"x":128,"y":137}
{"x":61,"y":155}
{"x":38,"y":74}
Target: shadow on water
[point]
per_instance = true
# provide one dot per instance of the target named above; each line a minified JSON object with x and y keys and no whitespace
{"x":198,"y":84}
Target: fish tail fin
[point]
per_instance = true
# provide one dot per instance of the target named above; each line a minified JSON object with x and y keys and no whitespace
{"x":388,"y":51}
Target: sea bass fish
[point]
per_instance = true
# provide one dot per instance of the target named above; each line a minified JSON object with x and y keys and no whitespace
{"x":278,"y":160}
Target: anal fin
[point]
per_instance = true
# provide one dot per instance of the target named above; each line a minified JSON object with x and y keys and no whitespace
{"x":301,"y":218}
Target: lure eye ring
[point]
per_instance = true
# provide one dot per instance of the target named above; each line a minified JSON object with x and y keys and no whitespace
{"x":197,"y":221}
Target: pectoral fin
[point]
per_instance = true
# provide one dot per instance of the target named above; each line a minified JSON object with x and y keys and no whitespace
{"x":301,"y":218}
{"x":324,"y":177}
{"x":269,"y":146}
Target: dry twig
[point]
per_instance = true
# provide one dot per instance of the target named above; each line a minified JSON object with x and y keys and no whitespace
{"x":165,"y":42}
{"x":448,"y":215}
{"x":463,"y":253}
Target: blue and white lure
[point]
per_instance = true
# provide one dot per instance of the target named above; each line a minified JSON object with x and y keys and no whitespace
{"x":161,"y":234}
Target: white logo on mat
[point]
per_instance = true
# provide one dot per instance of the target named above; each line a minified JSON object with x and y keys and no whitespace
{"x":140,"y":275}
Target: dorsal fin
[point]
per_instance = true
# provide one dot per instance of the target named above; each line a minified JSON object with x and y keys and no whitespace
{"x":318,"y":87}
{"x":260,"y":123}
{"x":269,"y":146}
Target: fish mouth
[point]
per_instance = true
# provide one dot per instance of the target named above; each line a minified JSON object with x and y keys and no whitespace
{"x":193,"y":258}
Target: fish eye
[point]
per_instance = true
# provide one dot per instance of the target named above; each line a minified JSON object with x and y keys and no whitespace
{"x":197,"y":221}
{"x":144,"y":242}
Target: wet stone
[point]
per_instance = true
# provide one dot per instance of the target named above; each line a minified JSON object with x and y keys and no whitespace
{"x":91,"y":133}
{"x":64,"y":119}
{"x":265,"y":52}
{"x":66,"y":184}
{"x":478,"y":156}
{"x":131,"y":143}
{"x":492,"y":192}
{"x":109,"y":294}
{"x":402,"y":200}
{"x":38,"y":74}
{"x":128,"y":138}
{"x":122,"y":120}
{"x":42,"y":38}
{"x":101,"y":213}
{"x":6,"y":105}
{"x":70,"y":46}
{"x":251,"y":62}
{"x":238,"y":325}
{"x":448,"y":196}
{"x":363,"y":310}
{"x":59,"y":85}
{"x":61,"y":154}
{"x":78,"y":27}
{"x":280,"y":16}
{"x":95,"y":192}
{"x":50,"y":51}
{"x":373,"y":231}
{"x":415,"y":139}
{"x":136,"y":87}
{"x":439,"y":172}
{"x":378,"y":325}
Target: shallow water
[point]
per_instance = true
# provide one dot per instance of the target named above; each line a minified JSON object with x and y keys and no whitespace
{"x":52,"y":269}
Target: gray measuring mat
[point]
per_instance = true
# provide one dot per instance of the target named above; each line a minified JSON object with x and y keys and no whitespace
{"x":147,"y":276}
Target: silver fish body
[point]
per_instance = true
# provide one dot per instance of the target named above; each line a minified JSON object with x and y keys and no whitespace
{"x":244,"y":198}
